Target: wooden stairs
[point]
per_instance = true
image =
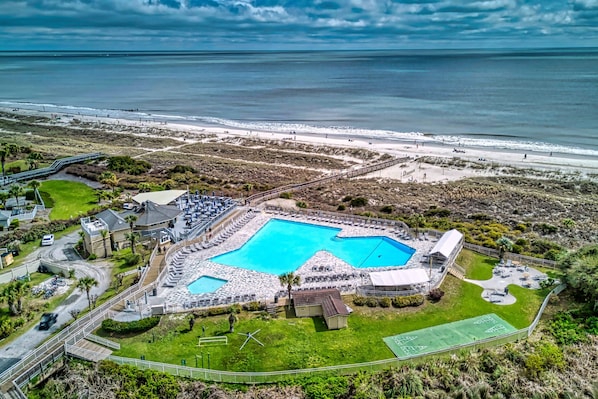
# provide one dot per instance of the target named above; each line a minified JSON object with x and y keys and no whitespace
{"x":88,"y":350}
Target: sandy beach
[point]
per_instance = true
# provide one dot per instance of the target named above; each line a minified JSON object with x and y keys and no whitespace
{"x":431,"y":162}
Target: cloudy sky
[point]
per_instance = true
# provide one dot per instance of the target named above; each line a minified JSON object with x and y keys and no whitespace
{"x":295,"y":24}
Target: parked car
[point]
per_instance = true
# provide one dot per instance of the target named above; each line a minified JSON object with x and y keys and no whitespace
{"x":47,"y":320}
{"x":48,"y":239}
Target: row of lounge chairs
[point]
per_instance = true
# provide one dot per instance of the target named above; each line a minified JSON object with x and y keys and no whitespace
{"x":217,"y":301}
{"x":331,"y":277}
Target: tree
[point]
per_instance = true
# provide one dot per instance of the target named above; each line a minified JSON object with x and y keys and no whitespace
{"x":6,"y":150}
{"x":34,"y":185}
{"x":16,"y":191}
{"x":33,"y":159}
{"x":109,"y":179}
{"x":104,"y":234}
{"x":4,"y":196}
{"x":504,"y":245}
{"x":132,"y":237}
{"x":131,"y":220}
{"x":581,"y":273}
{"x":13,"y":294}
{"x":86,"y":284}
{"x":231,"y":322}
{"x":289,"y":280}
{"x":416,"y":221}
{"x":191,"y":322}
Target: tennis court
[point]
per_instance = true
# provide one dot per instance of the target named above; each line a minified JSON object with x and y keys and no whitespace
{"x":447,"y":335}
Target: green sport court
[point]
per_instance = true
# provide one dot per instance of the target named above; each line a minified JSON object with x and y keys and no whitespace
{"x":436,"y":338}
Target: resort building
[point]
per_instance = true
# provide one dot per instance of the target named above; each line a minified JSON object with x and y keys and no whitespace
{"x":447,"y":247}
{"x":326,"y":303}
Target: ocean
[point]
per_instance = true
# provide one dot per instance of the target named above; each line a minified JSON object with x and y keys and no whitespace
{"x":536,"y":100}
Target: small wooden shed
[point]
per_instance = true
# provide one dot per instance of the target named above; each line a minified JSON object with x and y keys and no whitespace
{"x":326,"y":303}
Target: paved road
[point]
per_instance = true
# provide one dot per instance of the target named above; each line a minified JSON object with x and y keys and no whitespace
{"x":61,"y":252}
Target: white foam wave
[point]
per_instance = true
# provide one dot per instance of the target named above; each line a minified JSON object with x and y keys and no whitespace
{"x":302,"y":128}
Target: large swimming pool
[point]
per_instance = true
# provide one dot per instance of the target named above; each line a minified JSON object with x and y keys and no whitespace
{"x":281,"y":246}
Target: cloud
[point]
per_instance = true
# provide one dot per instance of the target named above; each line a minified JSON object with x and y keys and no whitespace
{"x":282,"y":23}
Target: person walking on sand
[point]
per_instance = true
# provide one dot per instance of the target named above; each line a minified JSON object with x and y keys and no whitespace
{"x":524,"y":156}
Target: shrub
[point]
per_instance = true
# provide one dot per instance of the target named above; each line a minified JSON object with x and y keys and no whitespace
{"x":253,"y":306}
{"x":326,"y":387}
{"x":384,"y":302}
{"x":126,"y":164}
{"x":359,"y":202}
{"x":347,"y":198}
{"x":180,"y":169}
{"x":121,"y":327}
{"x":371,"y":302}
{"x":359,"y":300}
{"x":437,"y":212}
{"x":301,"y":204}
{"x":408,"y":300}
{"x":14,"y":224}
{"x":217,"y":311}
{"x":341,"y":207}
{"x":286,"y":195}
{"x":386,"y":209}
{"x":92,"y":257}
{"x":566,"y":330}
{"x":435,"y":294}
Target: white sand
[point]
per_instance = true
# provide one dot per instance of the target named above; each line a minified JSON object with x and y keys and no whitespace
{"x":478,"y":161}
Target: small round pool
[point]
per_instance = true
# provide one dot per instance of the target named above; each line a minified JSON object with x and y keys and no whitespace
{"x":205,"y":284}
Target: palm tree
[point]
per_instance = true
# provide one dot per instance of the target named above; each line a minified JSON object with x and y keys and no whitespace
{"x":13,"y":294}
{"x":4,"y":196}
{"x":86,"y":284}
{"x":289,"y":280}
{"x":104,"y":234}
{"x":6,"y":149}
{"x":33,"y":159}
{"x":417,"y":220}
{"x":132,"y":237}
{"x":131,"y":220}
{"x":109,"y":179}
{"x":34,"y":185}
{"x":504,"y":244}
{"x":16,"y":191}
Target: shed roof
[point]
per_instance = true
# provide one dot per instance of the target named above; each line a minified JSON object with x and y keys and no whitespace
{"x":159,"y":197}
{"x":397,"y":278}
{"x":447,"y":243}
{"x":329,"y":299}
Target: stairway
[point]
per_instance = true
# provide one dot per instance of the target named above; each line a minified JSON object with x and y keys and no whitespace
{"x":272,"y":310}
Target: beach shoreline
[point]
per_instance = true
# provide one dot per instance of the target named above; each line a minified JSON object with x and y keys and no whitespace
{"x":442,"y":162}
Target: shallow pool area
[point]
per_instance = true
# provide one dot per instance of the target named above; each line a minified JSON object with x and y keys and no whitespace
{"x":282,"y":246}
{"x":205,"y":285}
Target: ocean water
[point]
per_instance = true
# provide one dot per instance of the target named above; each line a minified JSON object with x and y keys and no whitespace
{"x":543,"y":100}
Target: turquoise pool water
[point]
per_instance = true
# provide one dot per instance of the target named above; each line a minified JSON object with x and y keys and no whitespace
{"x":281,"y":246}
{"x":205,"y":284}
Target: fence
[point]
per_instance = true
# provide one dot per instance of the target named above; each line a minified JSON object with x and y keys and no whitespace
{"x":55,"y":167}
{"x":276,"y":376}
{"x":530,"y":260}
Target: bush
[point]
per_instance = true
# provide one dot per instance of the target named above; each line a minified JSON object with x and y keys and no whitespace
{"x":217,"y":311}
{"x":92,"y":257}
{"x":136,"y":326}
{"x":435,"y":294}
{"x":371,"y":302}
{"x":408,"y":300}
{"x":347,"y":198}
{"x":253,"y":306}
{"x":286,"y":195}
{"x":14,"y":224}
{"x":326,"y":387}
{"x":301,"y":204}
{"x":359,"y":202}
{"x":126,"y":164}
{"x":437,"y":212}
{"x":341,"y":207}
{"x":386,"y":209}
{"x":359,"y":300}
{"x":566,"y":330}
{"x":384,"y":302}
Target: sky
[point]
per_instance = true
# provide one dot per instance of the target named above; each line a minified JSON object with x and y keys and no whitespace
{"x":295,"y":24}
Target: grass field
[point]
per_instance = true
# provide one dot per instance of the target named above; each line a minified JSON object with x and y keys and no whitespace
{"x":292,"y":343}
{"x":443,"y":336}
{"x":70,"y":198}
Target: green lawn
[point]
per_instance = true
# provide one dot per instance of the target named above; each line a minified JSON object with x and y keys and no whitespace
{"x":300,"y":343}
{"x":477,"y":266}
{"x":70,"y":198}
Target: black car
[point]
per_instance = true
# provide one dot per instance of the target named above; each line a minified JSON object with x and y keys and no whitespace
{"x":47,"y":320}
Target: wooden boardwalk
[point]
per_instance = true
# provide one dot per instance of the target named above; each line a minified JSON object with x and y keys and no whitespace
{"x":87,"y":350}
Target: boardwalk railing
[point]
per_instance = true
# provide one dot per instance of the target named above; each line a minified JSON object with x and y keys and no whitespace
{"x":274,"y":193}
{"x":53,"y":168}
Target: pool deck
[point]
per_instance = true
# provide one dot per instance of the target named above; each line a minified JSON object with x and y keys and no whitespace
{"x":323,"y":270}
